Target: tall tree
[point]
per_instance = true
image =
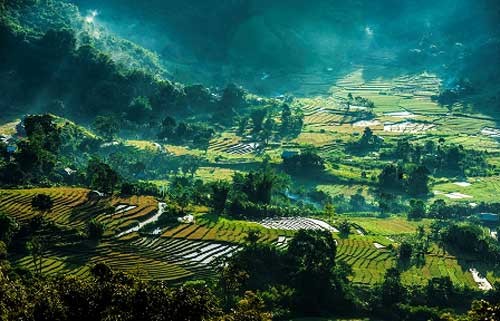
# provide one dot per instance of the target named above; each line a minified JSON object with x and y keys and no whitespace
{"x":258,"y":117}
{"x":42,"y":203}
{"x":313,"y":255}
{"x":418,"y":180}
{"x":106,"y":126}
{"x":101,"y":176}
{"x":219,"y":195}
{"x":139,"y":110}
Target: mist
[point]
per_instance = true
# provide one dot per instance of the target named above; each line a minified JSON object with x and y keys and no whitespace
{"x":268,"y":47}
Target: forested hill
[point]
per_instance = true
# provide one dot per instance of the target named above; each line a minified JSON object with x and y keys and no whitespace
{"x":284,"y":42}
{"x":54,"y":59}
{"x":270,"y":48}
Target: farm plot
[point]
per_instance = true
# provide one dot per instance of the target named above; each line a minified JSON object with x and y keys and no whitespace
{"x":208,"y":228}
{"x":366,"y":123}
{"x":311,"y":106}
{"x":242,"y":148}
{"x":388,"y":226}
{"x":297,"y":223}
{"x":223,"y":143}
{"x":210,"y":174}
{"x":195,"y":256}
{"x":167,"y":259}
{"x":368,"y":263}
{"x":401,"y":114}
{"x":73,"y":208}
{"x":17,"y":203}
{"x":439,"y":266}
{"x":407,"y":127}
{"x":316,"y":139}
{"x":491,"y":132}
{"x":481,"y":189}
{"x":154,"y":218}
{"x":370,"y":260}
{"x":9,"y":128}
{"x":325,"y":117}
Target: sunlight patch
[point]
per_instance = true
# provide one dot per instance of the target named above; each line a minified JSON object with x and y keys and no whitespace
{"x":91,"y":16}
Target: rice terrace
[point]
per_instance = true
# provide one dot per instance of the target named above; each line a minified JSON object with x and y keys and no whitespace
{"x":236,"y":161}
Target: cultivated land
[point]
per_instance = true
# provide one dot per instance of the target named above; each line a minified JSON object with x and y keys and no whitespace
{"x":403,"y":107}
{"x":188,"y":250}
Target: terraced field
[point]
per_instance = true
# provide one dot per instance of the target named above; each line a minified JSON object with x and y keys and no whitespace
{"x":148,"y":258}
{"x":398,"y":102}
{"x":73,"y":208}
{"x":388,"y":226}
{"x":189,"y":250}
{"x":222,"y":230}
{"x":297,"y":223}
{"x":440,"y":265}
{"x":232,"y":145}
{"x":368,"y":262}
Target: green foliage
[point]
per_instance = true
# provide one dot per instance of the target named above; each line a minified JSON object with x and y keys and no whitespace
{"x":418,"y":180}
{"x":443,"y":158}
{"x":258,"y":187}
{"x":250,"y":308}
{"x":42,"y":203}
{"x":291,"y":123}
{"x":42,"y":129}
{"x":367,"y":142}
{"x":439,"y":291}
{"x":36,"y":248}
{"x":8,"y":227}
{"x":196,"y":134}
{"x":139,"y":188}
{"x":106,"y":126}
{"x":304,"y":163}
{"x":240,"y":208}
{"x":219,"y":196}
{"x":405,"y":251}
{"x":344,"y":227}
{"x":471,"y":239}
{"x":391,"y":177}
{"x":139,"y":110}
{"x":306,"y":269}
{"x":417,"y":209}
{"x":414,"y":181}
{"x":233,"y":98}
{"x":481,"y":310}
{"x":95,"y":229}
{"x":101,"y":176}
{"x":392,"y":290}
{"x":258,"y":116}
{"x":36,"y":156}
{"x":190,"y":165}
{"x":184,"y":190}
{"x":109,"y":296}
